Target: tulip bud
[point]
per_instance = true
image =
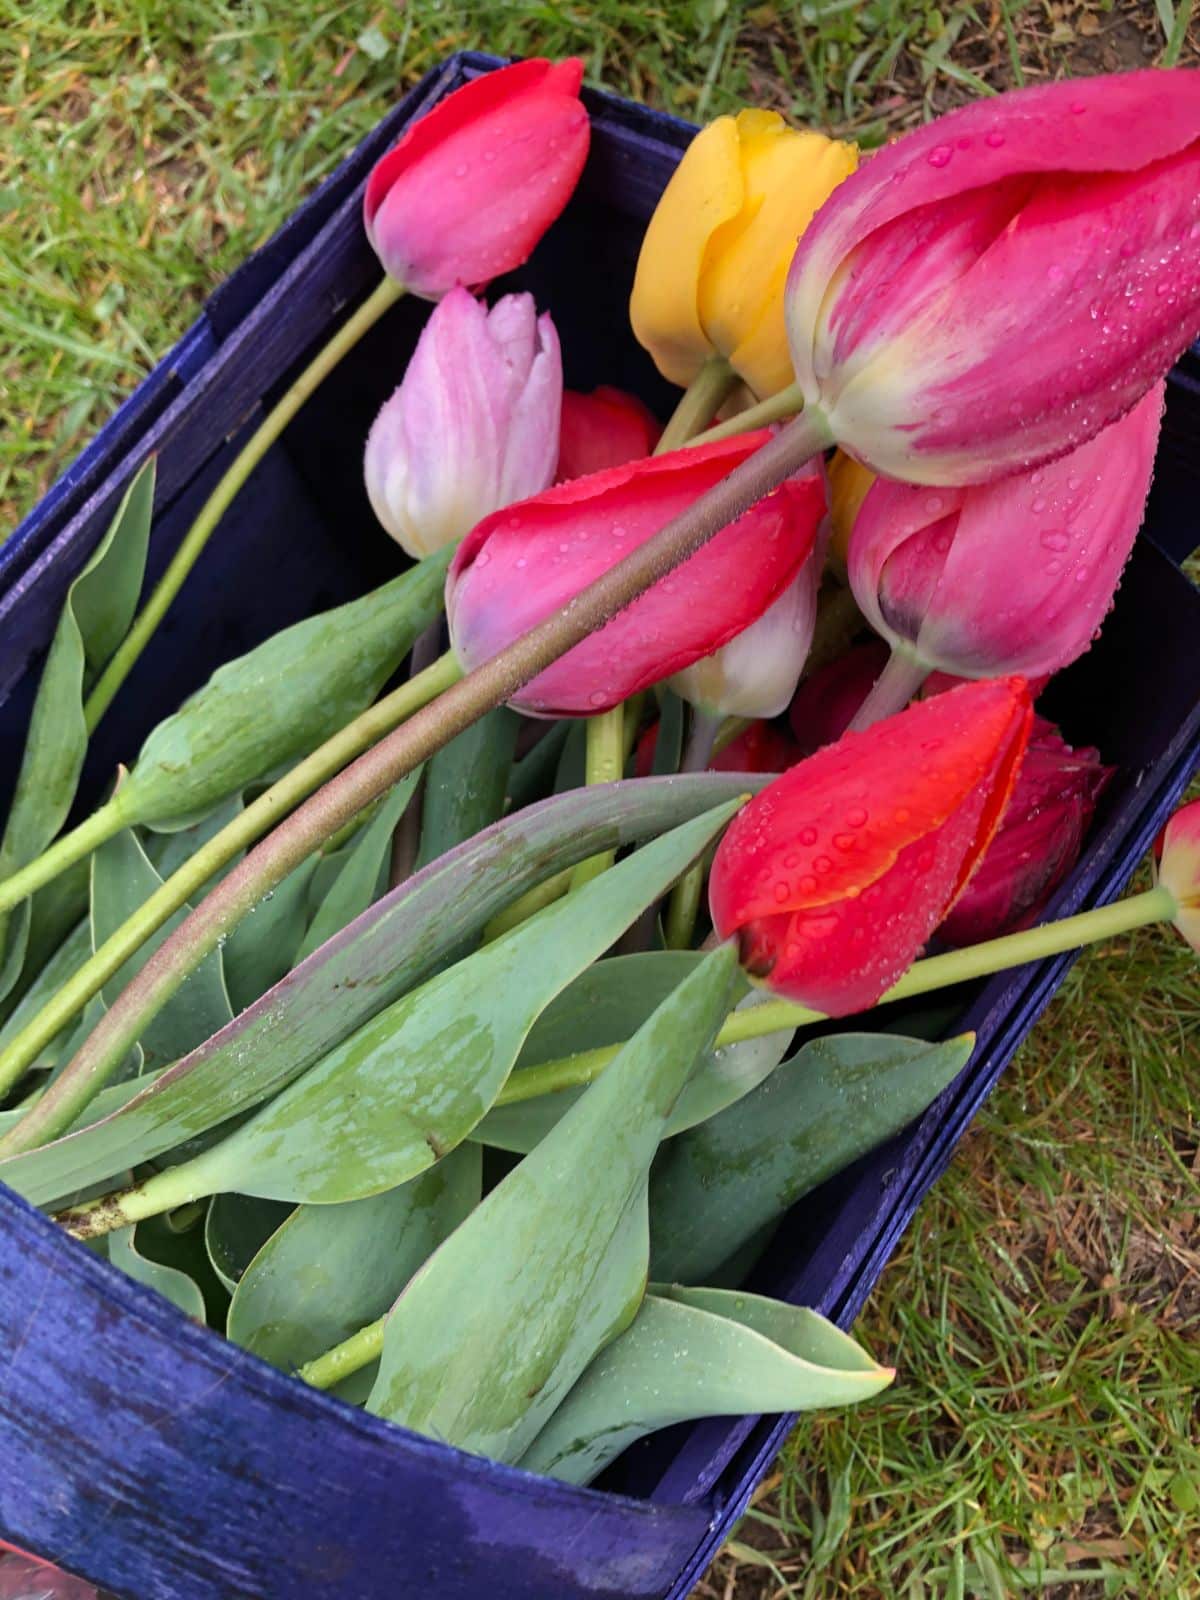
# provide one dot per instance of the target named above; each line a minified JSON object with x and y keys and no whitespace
{"x":1014,"y":576}
{"x":994,"y":288}
{"x":1037,"y":843}
{"x":714,"y":260}
{"x":756,"y":673}
{"x":825,"y":704}
{"x":606,"y":428}
{"x":762,"y":747}
{"x":1179,"y":869}
{"x":473,"y":426}
{"x":473,"y":184}
{"x":834,"y":877}
{"x":525,"y":564}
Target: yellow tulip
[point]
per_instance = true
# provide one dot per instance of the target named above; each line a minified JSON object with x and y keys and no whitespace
{"x":849,"y":481}
{"x":714,"y":261}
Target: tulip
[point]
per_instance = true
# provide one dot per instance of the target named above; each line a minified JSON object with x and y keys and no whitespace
{"x":606,"y":428}
{"x":1037,"y":843}
{"x":1178,"y":850}
{"x":1009,"y":577}
{"x":762,"y":747}
{"x":473,"y":426}
{"x":825,"y":703}
{"x":714,"y":260}
{"x":833,"y":878}
{"x":473,"y":184}
{"x":756,"y":673}
{"x":524,"y":564}
{"x":996,"y":287}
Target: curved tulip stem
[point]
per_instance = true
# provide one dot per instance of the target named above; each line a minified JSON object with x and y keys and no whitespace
{"x":393,"y":758}
{"x":891,"y":691}
{"x":74,"y":846}
{"x":938,"y":972}
{"x":354,"y":1353}
{"x":605,"y":763}
{"x":779,"y":407}
{"x":218,"y":502}
{"x":684,"y":904}
{"x":87,"y":1073}
{"x":698,"y":404}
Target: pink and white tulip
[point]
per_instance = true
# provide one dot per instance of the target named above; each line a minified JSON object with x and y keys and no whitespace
{"x":522,"y":565}
{"x":993,"y":289}
{"x":1178,"y":850}
{"x":473,"y":426}
{"x":1013,"y":576}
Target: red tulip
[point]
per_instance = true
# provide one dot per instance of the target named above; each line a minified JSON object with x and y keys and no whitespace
{"x":606,"y":428}
{"x":762,"y":747}
{"x":1179,"y":869}
{"x":474,"y":183}
{"x":833,"y":878}
{"x":1037,"y":843}
{"x":1015,"y":576}
{"x":824,"y":705}
{"x":994,"y":288}
{"x":524,"y":564}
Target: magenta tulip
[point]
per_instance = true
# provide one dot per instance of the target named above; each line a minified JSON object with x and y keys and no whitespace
{"x":524,"y":564}
{"x":1014,"y":576}
{"x":1037,"y":843}
{"x":473,"y":426}
{"x":474,"y":184}
{"x":996,"y":287}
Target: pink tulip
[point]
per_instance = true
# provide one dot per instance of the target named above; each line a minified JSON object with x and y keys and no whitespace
{"x":996,"y":287}
{"x":606,"y":428}
{"x":474,"y":183}
{"x":1178,"y":850}
{"x":524,"y":564}
{"x":1012,"y":577}
{"x":1038,"y":842}
{"x":473,"y":426}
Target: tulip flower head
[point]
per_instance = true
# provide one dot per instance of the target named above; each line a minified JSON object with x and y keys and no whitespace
{"x":1009,"y":577}
{"x":606,"y":428}
{"x":473,"y":184}
{"x":473,"y":426}
{"x":993,"y":289}
{"x":521,"y":565}
{"x":714,"y":261}
{"x":1178,"y":851}
{"x":825,"y":703}
{"x":833,"y":878}
{"x":756,"y":673}
{"x":1037,"y":843}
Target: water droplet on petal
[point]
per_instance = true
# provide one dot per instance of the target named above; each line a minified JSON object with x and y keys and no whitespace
{"x":940,"y":155}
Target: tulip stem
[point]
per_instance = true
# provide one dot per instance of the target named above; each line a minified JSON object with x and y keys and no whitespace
{"x":892,"y":690}
{"x":91,"y":833}
{"x":218,"y":502}
{"x":354,"y":1353}
{"x":605,"y":763}
{"x":684,"y":905}
{"x":779,"y":407}
{"x":938,"y":972}
{"x":393,"y":758}
{"x":92,"y":1066}
{"x":698,"y":404}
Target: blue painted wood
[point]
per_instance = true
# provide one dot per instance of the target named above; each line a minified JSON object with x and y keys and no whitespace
{"x":147,"y":1453}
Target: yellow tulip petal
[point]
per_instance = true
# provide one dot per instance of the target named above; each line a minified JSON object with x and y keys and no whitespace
{"x":788,"y":175}
{"x":705,"y":192}
{"x":849,"y":481}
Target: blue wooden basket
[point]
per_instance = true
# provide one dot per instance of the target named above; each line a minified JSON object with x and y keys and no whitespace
{"x":147,"y":1453}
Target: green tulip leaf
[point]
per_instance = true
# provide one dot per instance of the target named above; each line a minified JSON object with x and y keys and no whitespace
{"x":235,"y":1229}
{"x":330,"y":1270}
{"x":403,"y":939}
{"x":466,"y":784}
{"x":499,"y":1323}
{"x":99,"y":608}
{"x":172,"y":1283}
{"x":668,"y":746}
{"x":67,"y":959}
{"x":264,"y":947}
{"x":693,"y":1353}
{"x":838,"y":1097}
{"x":532,"y":777}
{"x":410,"y":1085}
{"x":363,"y":872}
{"x":280,"y":700}
{"x":122,"y":880}
{"x":604,"y":1006}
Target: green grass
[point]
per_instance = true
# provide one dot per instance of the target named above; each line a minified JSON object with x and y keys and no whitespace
{"x":1044,"y":1310}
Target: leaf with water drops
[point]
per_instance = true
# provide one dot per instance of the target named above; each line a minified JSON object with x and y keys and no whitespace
{"x":838,"y":1097}
{"x":497,"y":1326}
{"x":700,"y":1353}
